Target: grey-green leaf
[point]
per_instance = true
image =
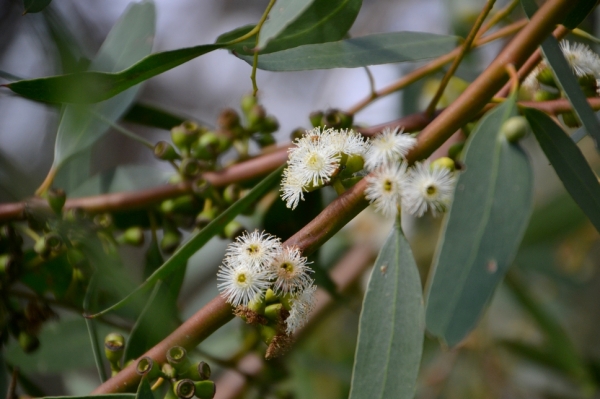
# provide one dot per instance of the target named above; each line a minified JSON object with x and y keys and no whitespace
{"x":568,"y":162}
{"x":383,"y":48}
{"x":390,"y":337}
{"x":129,"y":41}
{"x":282,"y":14}
{"x":565,"y":78}
{"x":482,"y":231}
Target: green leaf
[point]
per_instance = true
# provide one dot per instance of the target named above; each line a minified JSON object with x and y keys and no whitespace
{"x":283,"y":14}
{"x":568,"y":162}
{"x":383,"y":48}
{"x":32,"y":6}
{"x":107,"y":396}
{"x":128,"y":41}
{"x":482,"y":231}
{"x":148,"y":115}
{"x":566,"y":80}
{"x":390,"y":337}
{"x":198,"y":239}
{"x":144,"y":391}
{"x":324,"y":21}
{"x":579,"y":13}
{"x":89,"y":304}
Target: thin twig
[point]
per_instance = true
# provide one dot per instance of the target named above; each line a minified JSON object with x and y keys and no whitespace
{"x":255,"y":58}
{"x":468,"y":43}
{"x":497,"y":17}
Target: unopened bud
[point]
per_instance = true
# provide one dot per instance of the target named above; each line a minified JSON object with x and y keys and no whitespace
{"x":354,"y":163}
{"x":273,"y":312}
{"x":168,"y":371}
{"x":337,"y":119}
{"x":200,"y":371}
{"x":165,"y":151}
{"x":233,"y":230}
{"x":184,"y":389}
{"x":297,"y":134}
{"x":545,"y":76}
{"x":316,"y":118}
{"x":455,"y":150}
{"x":170,"y":241}
{"x":256,"y":117}
{"x":248,"y":102}
{"x":56,"y":199}
{"x":146,"y":367}
{"x":177,"y":357}
{"x":132,"y":236}
{"x":114,"y":346}
{"x":270,"y":296}
{"x":207,"y":147}
{"x":267,"y":333}
{"x":205,"y":217}
{"x":205,"y":389}
{"x":570,"y":119}
{"x":190,"y":167}
{"x":443,"y":162}
{"x":29,"y":343}
{"x":515,"y":128}
{"x":264,"y":140}
{"x":545,"y":95}
{"x":103,"y":220}
{"x":228,"y":119}
{"x":270,"y":124}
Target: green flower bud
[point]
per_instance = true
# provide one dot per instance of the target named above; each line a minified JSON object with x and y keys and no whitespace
{"x":168,"y":371}
{"x":170,"y":241}
{"x":270,"y":296}
{"x":183,"y":204}
{"x":183,"y":138}
{"x":205,"y":389}
{"x":28,"y":342}
{"x":165,"y":151}
{"x":207,"y":147}
{"x":103,"y":220}
{"x":353,"y":164}
{"x":570,"y":119}
{"x":132,"y":236}
{"x":205,"y":189}
{"x":225,"y":143}
{"x":177,"y":357}
{"x":267,"y":333}
{"x":231,"y":193}
{"x":337,"y":119}
{"x":9,"y":266}
{"x":257,"y":305}
{"x":270,"y":125}
{"x":56,"y":199}
{"x":190,"y":167}
{"x":170,"y":394}
{"x":41,"y":248}
{"x":455,"y":150}
{"x":264,"y":140}
{"x":184,"y":389}
{"x":349,"y":182}
{"x":114,"y":346}
{"x":545,"y":95}
{"x":146,"y":367}
{"x":233,"y":229}
{"x":205,"y":217}
{"x":297,"y":134}
{"x":256,"y":116}
{"x":545,"y":76}
{"x":248,"y":102}
{"x":199,"y":371}
{"x":515,"y":128}
{"x":175,"y":179}
{"x":286,"y":301}
{"x":228,"y":119}
{"x":443,"y":162}
{"x":273,"y":312}
{"x":316,"y":119}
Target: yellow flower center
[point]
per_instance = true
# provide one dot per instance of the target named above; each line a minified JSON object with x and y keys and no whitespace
{"x":431,"y":190}
{"x":241,"y":278}
{"x":388,"y":185}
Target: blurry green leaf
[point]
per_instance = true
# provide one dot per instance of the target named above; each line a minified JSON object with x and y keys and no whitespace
{"x":568,"y":162}
{"x":32,"y":6}
{"x":107,"y":396}
{"x":382,"y":48}
{"x":144,"y":391}
{"x":64,"y":346}
{"x":27,"y":386}
{"x":324,"y":21}
{"x":75,"y":171}
{"x":154,"y":258}
{"x":149,"y":115}
{"x":128,"y":41}
{"x":89,"y":305}
{"x":198,"y":239}
{"x":390,"y":336}
{"x":53,"y":275}
{"x":579,"y":13}
{"x":482,"y":231}
{"x":580,"y":133}
{"x":565,"y":77}
{"x":282,"y":14}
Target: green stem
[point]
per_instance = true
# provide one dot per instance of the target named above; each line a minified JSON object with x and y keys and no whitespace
{"x":338,"y":186}
{"x":258,"y":27}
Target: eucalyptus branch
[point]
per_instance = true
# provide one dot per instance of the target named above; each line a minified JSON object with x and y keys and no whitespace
{"x":497,"y":17}
{"x":466,"y":46}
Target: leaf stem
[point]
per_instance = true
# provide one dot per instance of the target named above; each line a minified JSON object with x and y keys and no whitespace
{"x":256,"y":29}
{"x":467,"y":45}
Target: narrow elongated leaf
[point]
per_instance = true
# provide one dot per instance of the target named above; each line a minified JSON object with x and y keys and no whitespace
{"x":566,"y":79}
{"x":149,"y":115}
{"x":31,"y":6}
{"x":383,"y":48}
{"x":282,"y":14}
{"x":569,"y":164}
{"x":197,"y":240}
{"x":324,"y":21}
{"x":390,"y":336}
{"x":144,"y":391}
{"x":482,"y":231}
{"x":129,"y":41}
{"x":579,"y":13}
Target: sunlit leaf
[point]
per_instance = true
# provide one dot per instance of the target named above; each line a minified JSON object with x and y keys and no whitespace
{"x":390,"y":337}
{"x":568,"y":162}
{"x":282,"y":14}
{"x":383,"y":48}
{"x":483,"y":229}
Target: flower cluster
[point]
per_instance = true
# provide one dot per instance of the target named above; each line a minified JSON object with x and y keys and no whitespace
{"x":258,"y":272}
{"x":322,"y":156}
{"x":581,"y":58}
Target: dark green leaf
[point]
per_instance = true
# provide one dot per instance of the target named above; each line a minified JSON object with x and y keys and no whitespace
{"x":31,"y":6}
{"x":390,"y":337}
{"x":144,"y":391}
{"x":198,"y":239}
{"x":324,"y":21}
{"x":565,"y":78}
{"x":54,"y":275}
{"x":89,"y":305}
{"x":128,"y":41}
{"x":568,"y":162}
{"x":579,"y":13}
{"x":383,"y":48}
{"x":282,"y":14}
{"x":482,"y":231}
{"x":149,"y":115}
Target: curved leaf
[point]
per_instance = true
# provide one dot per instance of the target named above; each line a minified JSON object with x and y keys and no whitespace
{"x":383,"y":48}
{"x":283,"y":14}
{"x":482,"y":231}
{"x":128,"y":41}
{"x":568,"y":162}
{"x":390,"y":337}
{"x":324,"y":21}
{"x":31,"y":6}
{"x":198,"y":239}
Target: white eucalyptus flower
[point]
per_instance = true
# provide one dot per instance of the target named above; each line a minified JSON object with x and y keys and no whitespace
{"x":292,"y":189}
{"x":385,"y":187}
{"x":348,"y":142}
{"x":581,"y":58}
{"x":240,"y":282}
{"x":388,"y":147}
{"x":428,"y":188}
{"x":302,"y":306}
{"x":312,"y":161}
{"x":256,"y":249}
{"x":291,"y":271}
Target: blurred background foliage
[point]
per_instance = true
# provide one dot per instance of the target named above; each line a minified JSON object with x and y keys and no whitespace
{"x":540,"y":337}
